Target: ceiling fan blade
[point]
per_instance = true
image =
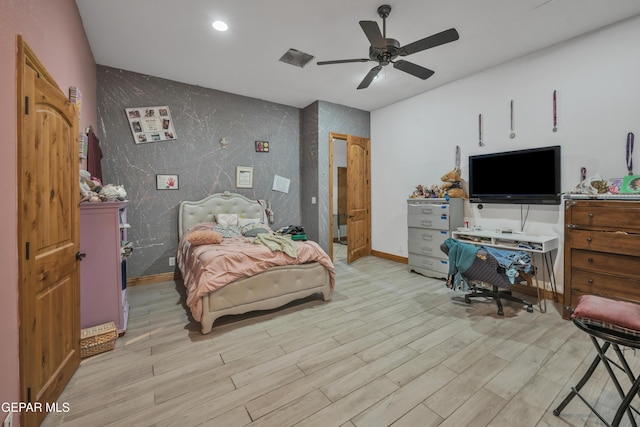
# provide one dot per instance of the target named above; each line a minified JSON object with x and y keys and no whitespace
{"x":372,"y":31}
{"x":443,"y":37}
{"x":343,"y":61}
{"x":413,"y":69}
{"x":369,"y":77}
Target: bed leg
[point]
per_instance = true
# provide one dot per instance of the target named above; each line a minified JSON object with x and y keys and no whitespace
{"x":206,"y":328}
{"x":326,"y":294}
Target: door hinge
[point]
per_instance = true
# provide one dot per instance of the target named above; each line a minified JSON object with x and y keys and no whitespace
{"x":26,"y":252}
{"x":26,"y":105}
{"x":28,"y":394}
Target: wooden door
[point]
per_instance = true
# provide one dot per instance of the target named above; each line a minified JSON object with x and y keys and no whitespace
{"x":48,"y":196}
{"x":358,"y":198}
{"x":342,"y":200}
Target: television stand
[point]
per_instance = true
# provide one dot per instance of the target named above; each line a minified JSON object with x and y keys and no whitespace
{"x":543,"y":245}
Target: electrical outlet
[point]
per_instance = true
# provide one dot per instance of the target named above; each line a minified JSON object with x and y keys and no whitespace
{"x":8,"y":421}
{"x":172,"y":261}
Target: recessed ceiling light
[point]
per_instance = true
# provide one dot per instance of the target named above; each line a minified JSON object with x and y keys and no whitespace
{"x":220,"y":26}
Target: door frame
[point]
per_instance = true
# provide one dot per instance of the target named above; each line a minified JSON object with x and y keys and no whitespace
{"x":343,"y":137}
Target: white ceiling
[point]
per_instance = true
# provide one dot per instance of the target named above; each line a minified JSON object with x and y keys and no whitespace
{"x":174,"y":40}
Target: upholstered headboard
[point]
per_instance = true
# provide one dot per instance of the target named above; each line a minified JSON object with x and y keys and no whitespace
{"x":192,"y":213}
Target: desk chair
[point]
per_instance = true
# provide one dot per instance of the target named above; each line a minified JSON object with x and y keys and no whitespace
{"x":479,"y":267}
{"x":610,"y":324}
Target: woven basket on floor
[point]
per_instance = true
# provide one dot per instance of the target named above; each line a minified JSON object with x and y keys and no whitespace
{"x":98,"y":339}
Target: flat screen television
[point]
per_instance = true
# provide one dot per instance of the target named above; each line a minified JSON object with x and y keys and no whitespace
{"x":524,"y":176}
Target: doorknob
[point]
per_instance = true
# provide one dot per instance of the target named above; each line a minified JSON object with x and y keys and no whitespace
{"x":80,"y":256}
{"x":350,"y":216}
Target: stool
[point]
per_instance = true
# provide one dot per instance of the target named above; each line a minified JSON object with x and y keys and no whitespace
{"x":615,"y":324}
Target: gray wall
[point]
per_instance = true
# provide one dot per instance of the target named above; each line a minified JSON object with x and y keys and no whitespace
{"x":201,"y":117}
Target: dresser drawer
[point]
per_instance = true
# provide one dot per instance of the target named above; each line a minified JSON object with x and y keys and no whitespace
{"x":428,"y":216}
{"x":600,"y":262}
{"x":604,"y":241}
{"x":427,"y":241}
{"x":621,"y":216}
{"x":610,"y":285}
{"x":429,"y":263}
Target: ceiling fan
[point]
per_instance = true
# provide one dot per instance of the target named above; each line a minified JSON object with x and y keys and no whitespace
{"x":385,"y":50}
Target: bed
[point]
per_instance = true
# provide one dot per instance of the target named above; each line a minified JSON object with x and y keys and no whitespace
{"x":237,"y":276}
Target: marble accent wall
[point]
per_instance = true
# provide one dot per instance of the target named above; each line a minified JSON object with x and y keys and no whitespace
{"x":201,"y":117}
{"x":318,"y":120}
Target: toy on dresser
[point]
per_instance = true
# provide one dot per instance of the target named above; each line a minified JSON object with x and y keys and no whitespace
{"x":92,"y":190}
{"x":452,"y":184}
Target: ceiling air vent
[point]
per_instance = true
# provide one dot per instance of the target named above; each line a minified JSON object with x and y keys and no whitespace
{"x":297,"y":58}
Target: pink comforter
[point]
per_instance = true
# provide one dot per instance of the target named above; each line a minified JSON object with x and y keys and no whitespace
{"x":206,"y":268}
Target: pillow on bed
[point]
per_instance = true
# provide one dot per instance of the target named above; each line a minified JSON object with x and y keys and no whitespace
{"x":245,"y":221}
{"x":227,"y":220}
{"x":204,"y":237}
{"x":247,"y":230}
{"x":227,"y":231}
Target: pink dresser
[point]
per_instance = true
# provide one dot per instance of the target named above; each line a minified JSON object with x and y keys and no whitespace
{"x":103,"y":293}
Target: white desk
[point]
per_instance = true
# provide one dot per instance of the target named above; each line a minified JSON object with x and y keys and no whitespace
{"x":543,"y":245}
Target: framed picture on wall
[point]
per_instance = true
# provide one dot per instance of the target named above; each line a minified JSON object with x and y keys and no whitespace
{"x":151,"y":124}
{"x":262,"y":146}
{"x":166,"y":182}
{"x":244,"y":177}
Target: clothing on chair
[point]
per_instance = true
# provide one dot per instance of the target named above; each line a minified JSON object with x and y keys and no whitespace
{"x":469,"y":262}
{"x":461,"y":255}
{"x":461,"y":258}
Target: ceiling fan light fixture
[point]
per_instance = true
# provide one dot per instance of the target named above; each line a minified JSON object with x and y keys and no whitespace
{"x":220,"y":26}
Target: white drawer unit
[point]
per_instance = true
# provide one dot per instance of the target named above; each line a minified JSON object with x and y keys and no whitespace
{"x":430,"y":223}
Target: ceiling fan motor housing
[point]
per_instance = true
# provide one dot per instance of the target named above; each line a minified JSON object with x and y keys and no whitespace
{"x":385,"y":56}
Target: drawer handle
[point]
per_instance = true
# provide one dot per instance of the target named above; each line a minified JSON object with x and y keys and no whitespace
{"x":427,"y":237}
{"x":426,"y":249}
{"x":427,"y":211}
{"x":426,"y":222}
{"x":590,"y":281}
{"x":590,"y":260}
{"x":589,"y":239}
{"x":590,"y":215}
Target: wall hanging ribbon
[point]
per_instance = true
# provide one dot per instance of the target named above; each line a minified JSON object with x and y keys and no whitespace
{"x":513,"y":133}
{"x":630,"y":138}
{"x":555,"y":112}
{"x":480,"y":143}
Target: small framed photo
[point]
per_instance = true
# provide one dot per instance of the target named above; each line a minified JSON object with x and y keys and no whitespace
{"x":244,"y":177}
{"x":166,"y":182}
{"x":262,"y":146}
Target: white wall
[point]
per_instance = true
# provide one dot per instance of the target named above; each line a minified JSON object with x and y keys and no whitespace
{"x":597,"y":78}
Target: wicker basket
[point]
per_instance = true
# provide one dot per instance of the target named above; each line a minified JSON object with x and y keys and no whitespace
{"x":98,"y":339}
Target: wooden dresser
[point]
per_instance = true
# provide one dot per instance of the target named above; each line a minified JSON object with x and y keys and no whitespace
{"x":601,"y":250}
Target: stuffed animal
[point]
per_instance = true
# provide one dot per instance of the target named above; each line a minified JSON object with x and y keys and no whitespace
{"x":452,"y":184}
{"x":88,"y":188}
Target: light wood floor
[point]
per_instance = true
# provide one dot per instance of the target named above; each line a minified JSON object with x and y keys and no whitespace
{"x":391,"y":348}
